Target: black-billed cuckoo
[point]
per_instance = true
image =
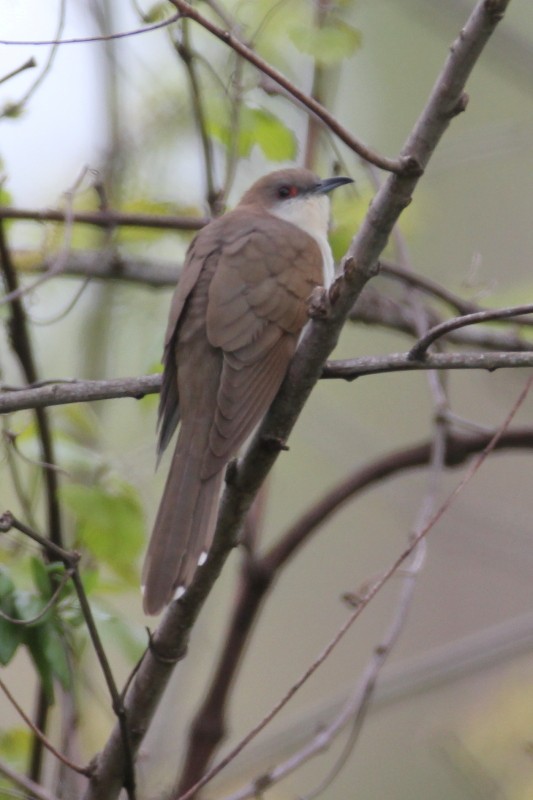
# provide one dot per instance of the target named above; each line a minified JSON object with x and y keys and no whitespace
{"x":234,"y":324}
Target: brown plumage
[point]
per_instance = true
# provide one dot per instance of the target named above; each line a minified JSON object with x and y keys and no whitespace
{"x":234,"y":325}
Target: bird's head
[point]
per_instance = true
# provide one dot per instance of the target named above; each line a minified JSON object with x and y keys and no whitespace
{"x":295,"y":195}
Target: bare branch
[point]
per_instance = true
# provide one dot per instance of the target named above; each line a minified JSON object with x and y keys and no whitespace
{"x":188,"y":56}
{"x":376,"y":308}
{"x":16,"y":108}
{"x":418,"y":351}
{"x":29,"y":64}
{"x":107,"y":218}
{"x":28,"y":785}
{"x":349,"y":369}
{"x":83,"y":40}
{"x":77,"y":391}
{"x":310,"y":103}
{"x":40,"y":735}
{"x":63,"y":392}
{"x":111,"y":264}
{"x":22,"y":347}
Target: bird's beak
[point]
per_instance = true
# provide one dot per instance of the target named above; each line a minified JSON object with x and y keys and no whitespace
{"x":329,"y":184}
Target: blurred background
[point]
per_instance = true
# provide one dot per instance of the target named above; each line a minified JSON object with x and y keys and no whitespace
{"x":453,"y":712}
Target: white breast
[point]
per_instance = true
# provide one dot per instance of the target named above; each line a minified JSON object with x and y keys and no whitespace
{"x":311,"y":214}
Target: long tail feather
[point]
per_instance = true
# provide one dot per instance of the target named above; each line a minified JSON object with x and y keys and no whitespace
{"x":184,"y":526}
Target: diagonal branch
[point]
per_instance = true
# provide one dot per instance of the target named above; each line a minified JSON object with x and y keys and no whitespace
{"x":258,"y":576}
{"x":363,"y":601}
{"x":170,"y":639}
{"x":310,"y":103}
{"x":30,"y":787}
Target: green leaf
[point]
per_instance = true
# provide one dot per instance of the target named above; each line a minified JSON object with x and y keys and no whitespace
{"x":109,"y":524}
{"x":55,"y":652}
{"x":10,"y":638}
{"x":329,"y":44}
{"x":36,"y":641}
{"x":29,"y":606}
{"x":348,"y":213}
{"x":41,"y":577}
{"x":11,"y":635}
{"x":260,"y":127}
{"x":118,"y":632}
{"x":6,"y":198}
{"x":256,"y":126}
{"x":48,"y":653}
{"x":6,"y":585}
{"x":14,"y":744}
{"x":156,"y":13}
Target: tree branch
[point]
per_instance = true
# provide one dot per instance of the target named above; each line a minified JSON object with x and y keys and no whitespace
{"x":349,"y":369}
{"x":106,"y":218}
{"x":259,"y":575}
{"x":21,"y":343}
{"x":376,"y":308}
{"x":77,"y":391}
{"x":63,"y":392}
{"x":244,"y":479}
{"x":363,"y":601}
{"x":30,"y":787}
{"x":310,"y":103}
{"x":83,"y":40}
{"x":419,"y":350}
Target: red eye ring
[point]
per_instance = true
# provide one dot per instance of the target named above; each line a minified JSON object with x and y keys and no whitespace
{"x":287,"y":191}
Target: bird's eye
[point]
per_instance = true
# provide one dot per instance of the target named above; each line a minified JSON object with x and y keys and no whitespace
{"x":287,"y":191}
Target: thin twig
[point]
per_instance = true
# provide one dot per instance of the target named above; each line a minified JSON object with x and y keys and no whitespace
{"x":40,"y":735}
{"x":30,"y":787}
{"x":71,"y":560}
{"x":249,"y":55}
{"x":187,"y":55}
{"x":29,"y":64}
{"x":363,"y":602}
{"x":84,"y":39}
{"x":356,"y":708}
{"x":19,"y":106}
{"x":51,"y":602}
{"x":60,"y":260}
{"x":107,"y":218}
{"x":418,"y":351}
{"x":349,"y":369}
{"x":22,"y":346}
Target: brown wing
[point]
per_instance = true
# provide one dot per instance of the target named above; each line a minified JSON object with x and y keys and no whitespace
{"x":257,"y":308}
{"x":203,"y":246}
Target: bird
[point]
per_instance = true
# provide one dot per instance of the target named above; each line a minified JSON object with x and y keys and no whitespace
{"x":234,"y":324}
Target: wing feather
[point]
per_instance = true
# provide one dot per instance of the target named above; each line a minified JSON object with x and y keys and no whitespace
{"x":257,"y":308}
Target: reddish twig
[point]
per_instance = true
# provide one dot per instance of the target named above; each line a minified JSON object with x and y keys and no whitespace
{"x":389,"y":164}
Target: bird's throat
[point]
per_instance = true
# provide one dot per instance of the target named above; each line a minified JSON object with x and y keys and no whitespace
{"x":311,"y":214}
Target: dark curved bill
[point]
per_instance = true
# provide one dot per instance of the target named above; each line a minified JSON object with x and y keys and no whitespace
{"x":328,"y":184}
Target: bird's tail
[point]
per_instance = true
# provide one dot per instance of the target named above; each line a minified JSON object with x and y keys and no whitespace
{"x":184,"y":526}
